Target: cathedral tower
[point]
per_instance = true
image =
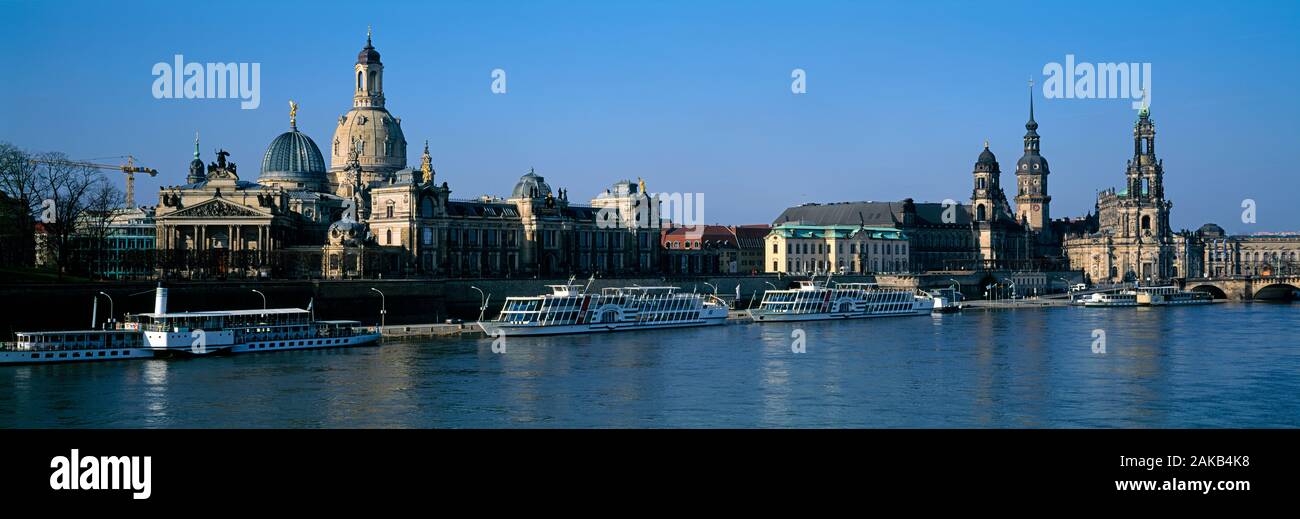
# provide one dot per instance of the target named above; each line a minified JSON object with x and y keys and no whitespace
{"x":988,"y":202}
{"x":988,"y":206}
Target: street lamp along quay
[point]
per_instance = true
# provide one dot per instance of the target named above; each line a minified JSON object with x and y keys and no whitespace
{"x":383,"y":308}
{"x":483,"y":302}
{"x":259,"y":292}
{"x":110,"y":306}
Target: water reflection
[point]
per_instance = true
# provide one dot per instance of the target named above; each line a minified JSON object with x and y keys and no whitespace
{"x":1219,"y":366}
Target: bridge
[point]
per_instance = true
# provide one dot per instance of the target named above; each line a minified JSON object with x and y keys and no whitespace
{"x":1247,"y":288}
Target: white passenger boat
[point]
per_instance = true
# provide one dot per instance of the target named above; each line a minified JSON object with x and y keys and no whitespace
{"x":1108,"y":299}
{"x":1171,"y":296}
{"x":813,"y":301}
{"x":75,"y":346}
{"x":242,"y":331}
{"x":568,"y":309}
{"x":163,"y":333}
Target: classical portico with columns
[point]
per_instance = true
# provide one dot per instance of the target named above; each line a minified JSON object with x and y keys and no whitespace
{"x":222,"y":225}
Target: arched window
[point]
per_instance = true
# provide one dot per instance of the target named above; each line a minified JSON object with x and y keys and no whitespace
{"x":1146,"y":222}
{"x":358,"y":80}
{"x":371,"y":83}
{"x":981,"y":213}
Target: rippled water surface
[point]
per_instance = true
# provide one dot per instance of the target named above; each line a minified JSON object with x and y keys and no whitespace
{"x":1227,"y":365}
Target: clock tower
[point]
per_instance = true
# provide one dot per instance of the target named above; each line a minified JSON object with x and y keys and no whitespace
{"x":1032,"y":200}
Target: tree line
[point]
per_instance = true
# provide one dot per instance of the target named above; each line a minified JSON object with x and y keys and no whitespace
{"x":52,"y":214}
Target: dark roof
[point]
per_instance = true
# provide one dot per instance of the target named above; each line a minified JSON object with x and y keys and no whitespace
{"x":481,"y":209}
{"x":872,"y":214}
{"x":752,"y":235}
{"x":368,"y":54}
{"x":931,"y":213}
{"x":1211,"y":229}
{"x":843,"y":213}
{"x":580,"y":212}
{"x":1026,"y":164}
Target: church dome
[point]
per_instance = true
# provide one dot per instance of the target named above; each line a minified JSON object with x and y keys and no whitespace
{"x":987,"y":156}
{"x":1211,"y":230}
{"x":381,"y":145}
{"x":1032,"y":164}
{"x":368,"y":54}
{"x":987,"y":161}
{"x":294,"y":162}
{"x":531,"y":185}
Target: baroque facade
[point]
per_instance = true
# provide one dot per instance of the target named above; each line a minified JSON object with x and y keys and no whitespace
{"x":367,"y":214}
{"x":1130,"y":237}
{"x":984,"y":233}
{"x":841,"y":249}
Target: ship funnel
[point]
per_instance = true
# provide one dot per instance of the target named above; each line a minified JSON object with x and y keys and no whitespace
{"x":160,"y":300}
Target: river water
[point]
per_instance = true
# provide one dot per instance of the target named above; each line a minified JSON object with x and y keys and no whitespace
{"x":1224,"y":365}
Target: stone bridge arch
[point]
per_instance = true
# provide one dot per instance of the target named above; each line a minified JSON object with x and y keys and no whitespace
{"x":1281,"y":291}
{"x":1211,"y":289}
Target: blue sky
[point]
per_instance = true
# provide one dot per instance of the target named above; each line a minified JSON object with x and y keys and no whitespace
{"x":693,"y":96}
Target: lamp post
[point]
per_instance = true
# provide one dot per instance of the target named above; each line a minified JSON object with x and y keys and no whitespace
{"x":259,"y":292}
{"x":383,"y":307}
{"x":482,"y":307}
{"x":1067,"y":283}
{"x":110,"y":306}
{"x":714,"y":287}
{"x":769,"y":283}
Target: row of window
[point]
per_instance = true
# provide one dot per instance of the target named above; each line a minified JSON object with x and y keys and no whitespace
{"x":77,"y":354}
{"x":823,"y":248}
{"x":895,"y":265}
{"x":291,"y":344}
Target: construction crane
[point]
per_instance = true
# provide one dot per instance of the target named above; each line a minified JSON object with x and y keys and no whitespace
{"x":129,"y":168}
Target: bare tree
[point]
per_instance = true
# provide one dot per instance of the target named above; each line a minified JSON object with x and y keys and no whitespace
{"x":66,"y":190}
{"x":18,"y":182}
{"x":102,"y":206}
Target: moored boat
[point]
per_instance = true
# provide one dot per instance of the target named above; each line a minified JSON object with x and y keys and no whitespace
{"x":569,"y":309}
{"x":1171,"y":296}
{"x":1110,"y":299}
{"x":49,"y":347}
{"x":812,"y":301}
{"x":161,"y":333}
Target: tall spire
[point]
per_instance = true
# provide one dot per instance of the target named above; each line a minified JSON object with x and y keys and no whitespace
{"x":368,"y":33}
{"x":1031,"y":125}
{"x":196,"y":144}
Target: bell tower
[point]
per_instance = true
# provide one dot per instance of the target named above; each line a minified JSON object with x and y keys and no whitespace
{"x":988,"y":208}
{"x":1032,"y":200}
{"x":987,"y":199}
{"x":1145,"y":172}
{"x":369,"y":77}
